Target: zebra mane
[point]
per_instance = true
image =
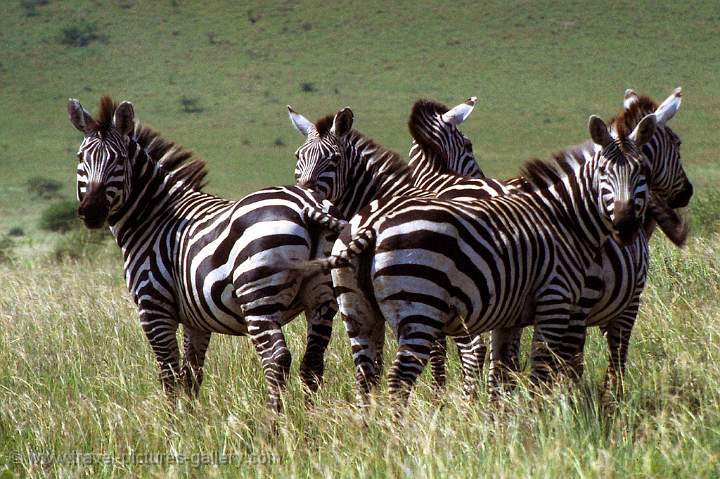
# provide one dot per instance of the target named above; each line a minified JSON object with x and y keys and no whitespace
{"x":389,"y":161}
{"x":177,"y":162}
{"x":324,"y":124}
{"x":104,"y":119}
{"x":628,"y":119}
{"x":541,"y":175}
{"x":421,"y":109}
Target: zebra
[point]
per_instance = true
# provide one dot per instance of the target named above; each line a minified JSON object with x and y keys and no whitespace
{"x":624,"y":269}
{"x":464,"y":267}
{"x":200,"y":260}
{"x":439,"y":150}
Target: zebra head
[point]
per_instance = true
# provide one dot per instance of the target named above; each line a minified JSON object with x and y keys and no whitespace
{"x":667,"y":179}
{"x":102,"y":182}
{"x":435,"y":128}
{"x":621,"y":172}
{"x":321,"y":160}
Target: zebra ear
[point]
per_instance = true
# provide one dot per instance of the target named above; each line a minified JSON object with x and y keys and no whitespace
{"x":458,"y":114}
{"x":644,"y":130}
{"x":599,"y":131}
{"x":669,"y":107}
{"x":342,"y":123}
{"x":301,"y":124}
{"x":79,"y":117}
{"x":630,"y":98}
{"x":124,"y":118}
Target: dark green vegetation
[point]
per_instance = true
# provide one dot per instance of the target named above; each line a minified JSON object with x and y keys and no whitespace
{"x":76,"y":374}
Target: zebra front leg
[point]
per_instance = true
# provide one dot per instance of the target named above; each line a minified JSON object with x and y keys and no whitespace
{"x":438,"y":354}
{"x":160,"y":332}
{"x":472,"y":351}
{"x":617,"y":334}
{"x":319,"y":331}
{"x":551,"y":339}
{"x":195,"y":344}
{"x":269,"y":342}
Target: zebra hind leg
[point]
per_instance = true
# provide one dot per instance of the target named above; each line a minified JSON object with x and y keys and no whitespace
{"x":269,"y":342}
{"x":319,"y":331}
{"x":472,"y":351}
{"x":438,"y":355}
{"x":195,"y":344}
{"x":504,"y":360}
{"x":415,"y":340}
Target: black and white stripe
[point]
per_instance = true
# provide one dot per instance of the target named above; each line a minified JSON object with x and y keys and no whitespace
{"x":467,"y":267}
{"x":200,"y":260}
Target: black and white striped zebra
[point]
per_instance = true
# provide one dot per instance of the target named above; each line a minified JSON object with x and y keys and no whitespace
{"x":203,"y":261}
{"x":438,"y":152}
{"x":465,"y":267}
{"x":624,"y":269}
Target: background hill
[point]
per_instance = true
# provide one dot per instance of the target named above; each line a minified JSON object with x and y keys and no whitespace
{"x":215,"y":77}
{"x":78,"y":381}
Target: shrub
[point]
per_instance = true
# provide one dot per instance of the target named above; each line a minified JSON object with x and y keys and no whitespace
{"x":41,"y":187}
{"x":80,"y":35}
{"x":16,"y":231}
{"x":60,"y":217}
{"x":29,"y":6}
{"x":6,"y":249}
{"x":190,"y":105}
{"x":80,"y":243}
{"x":308,"y":87}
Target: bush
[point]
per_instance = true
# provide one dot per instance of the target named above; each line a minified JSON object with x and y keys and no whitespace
{"x":30,"y":6}
{"x":80,"y":243}
{"x":80,"y":35}
{"x":6,"y":249}
{"x":60,"y":217}
{"x":41,"y":187}
{"x":190,"y":105}
{"x":16,"y":231}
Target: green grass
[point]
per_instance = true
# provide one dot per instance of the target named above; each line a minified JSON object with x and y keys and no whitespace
{"x":77,"y":375}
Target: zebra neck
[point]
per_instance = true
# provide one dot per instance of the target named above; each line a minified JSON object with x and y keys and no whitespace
{"x":375,"y":172}
{"x":153,"y":198}
{"x":575,"y":201}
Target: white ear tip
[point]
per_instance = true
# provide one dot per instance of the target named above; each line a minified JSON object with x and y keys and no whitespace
{"x":629,"y":93}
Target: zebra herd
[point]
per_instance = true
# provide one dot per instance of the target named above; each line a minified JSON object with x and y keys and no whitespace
{"x":430,"y":247}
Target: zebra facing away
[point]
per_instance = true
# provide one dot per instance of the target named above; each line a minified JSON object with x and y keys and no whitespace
{"x":200,"y":260}
{"x":439,"y":150}
{"x":623,"y":268}
{"x":467,"y":267}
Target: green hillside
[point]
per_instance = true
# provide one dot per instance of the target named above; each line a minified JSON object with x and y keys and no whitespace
{"x":215,"y":77}
{"x":79,"y":395}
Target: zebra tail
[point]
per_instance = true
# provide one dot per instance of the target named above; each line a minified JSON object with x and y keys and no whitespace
{"x":674,"y":226}
{"x":359,"y":244}
{"x":323,"y":220}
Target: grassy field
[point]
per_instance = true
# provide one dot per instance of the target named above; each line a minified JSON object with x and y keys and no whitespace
{"x":76,"y":374}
